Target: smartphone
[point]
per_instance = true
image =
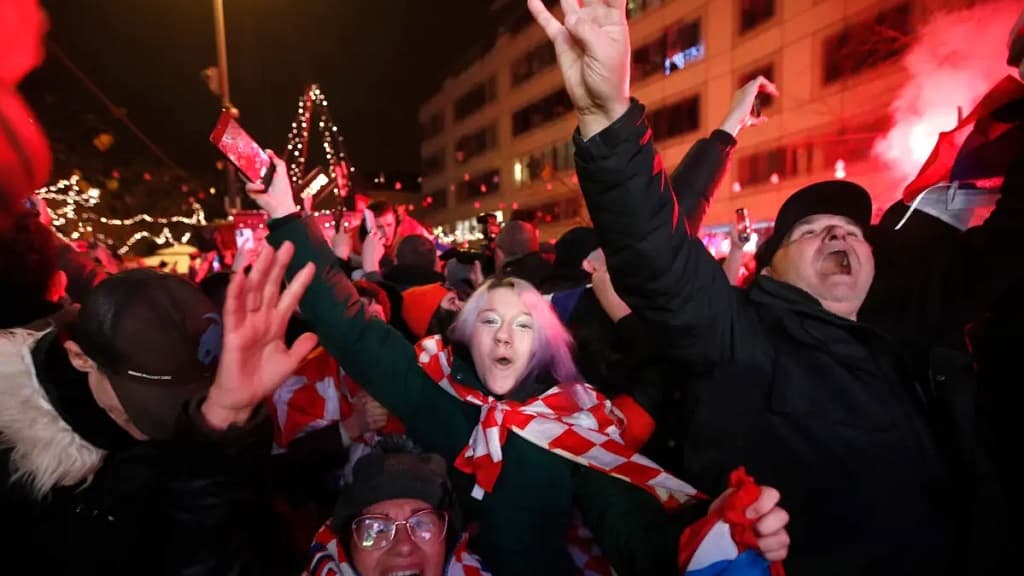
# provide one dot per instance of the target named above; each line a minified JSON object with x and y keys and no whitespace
{"x":743,"y":225}
{"x":244,"y":239}
{"x":368,"y":220}
{"x":756,"y":112}
{"x":236,"y":144}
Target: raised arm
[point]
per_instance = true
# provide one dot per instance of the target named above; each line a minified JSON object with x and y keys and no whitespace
{"x":698,"y":175}
{"x":370,"y":351}
{"x":658,"y":266}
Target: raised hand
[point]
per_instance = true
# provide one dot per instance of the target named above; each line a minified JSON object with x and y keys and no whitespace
{"x":278,"y":200}
{"x":341,"y":244}
{"x":373,"y":251}
{"x":769,"y":523}
{"x":254,"y":357}
{"x":740,"y":115}
{"x":593,"y":52}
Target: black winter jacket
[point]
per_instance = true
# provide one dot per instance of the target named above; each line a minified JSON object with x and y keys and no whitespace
{"x":816,"y":405}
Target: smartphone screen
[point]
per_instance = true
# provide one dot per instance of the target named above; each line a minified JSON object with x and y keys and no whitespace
{"x":743,"y":225}
{"x":244,"y":239}
{"x":240,"y":148}
{"x":368,"y":220}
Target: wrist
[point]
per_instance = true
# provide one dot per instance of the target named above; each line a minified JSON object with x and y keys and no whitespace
{"x":732,"y":125}
{"x":592,"y":122}
{"x":280,"y":210}
{"x":219,"y":417}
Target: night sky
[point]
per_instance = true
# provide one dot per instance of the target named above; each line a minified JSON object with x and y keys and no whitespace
{"x":377,"y":61}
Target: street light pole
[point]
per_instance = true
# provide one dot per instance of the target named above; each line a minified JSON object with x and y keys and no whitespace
{"x":231,"y":200}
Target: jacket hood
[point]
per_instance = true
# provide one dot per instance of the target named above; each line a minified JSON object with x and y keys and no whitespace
{"x":45,"y":451}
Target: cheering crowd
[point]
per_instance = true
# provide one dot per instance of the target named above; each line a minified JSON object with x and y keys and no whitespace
{"x":358,"y":405}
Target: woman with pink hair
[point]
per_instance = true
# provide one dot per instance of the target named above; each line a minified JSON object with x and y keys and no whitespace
{"x":499,"y":397}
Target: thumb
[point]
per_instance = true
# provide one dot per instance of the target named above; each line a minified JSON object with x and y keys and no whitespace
{"x":584,"y":32}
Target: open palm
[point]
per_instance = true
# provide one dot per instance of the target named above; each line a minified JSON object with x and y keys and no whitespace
{"x":593,"y":52}
{"x":254,"y":357}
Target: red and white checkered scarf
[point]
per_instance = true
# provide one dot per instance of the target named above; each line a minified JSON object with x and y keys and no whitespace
{"x":578,"y":424}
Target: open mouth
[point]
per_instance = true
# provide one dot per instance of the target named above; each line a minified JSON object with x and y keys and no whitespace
{"x":405,"y":573}
{"x":837,"y":262}
{"x":503,"y":361}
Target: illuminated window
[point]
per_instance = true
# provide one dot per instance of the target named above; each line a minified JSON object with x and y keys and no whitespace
{"x":680,"y":46}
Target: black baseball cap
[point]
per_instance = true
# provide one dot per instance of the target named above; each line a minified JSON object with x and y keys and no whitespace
{"x":157,"y":337}
{"x":837,"y":197}
{"x":381,"y":476}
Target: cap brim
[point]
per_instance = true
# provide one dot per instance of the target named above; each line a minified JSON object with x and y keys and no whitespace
{"x":152,"y":408}
{"x":838,"y":198}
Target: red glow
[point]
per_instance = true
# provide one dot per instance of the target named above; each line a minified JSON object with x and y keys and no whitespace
{"x":476,"y":205}
{"x":398,"y":185}
{"x":515,"y":205}
{"x":944,"y":75}
{"x":465,"y":177}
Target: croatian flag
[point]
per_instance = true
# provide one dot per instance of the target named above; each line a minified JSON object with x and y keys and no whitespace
{"x":723,"y":543}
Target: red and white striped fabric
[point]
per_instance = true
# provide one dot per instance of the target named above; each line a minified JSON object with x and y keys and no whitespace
{"x":575,"y":422}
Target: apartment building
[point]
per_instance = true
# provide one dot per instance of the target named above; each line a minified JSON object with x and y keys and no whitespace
{"x":498,"y":136}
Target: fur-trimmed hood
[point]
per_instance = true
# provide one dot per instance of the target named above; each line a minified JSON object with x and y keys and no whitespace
{"x":46,"y":452}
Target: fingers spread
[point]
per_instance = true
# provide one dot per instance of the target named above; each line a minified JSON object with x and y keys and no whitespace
{"x":257,"y":277}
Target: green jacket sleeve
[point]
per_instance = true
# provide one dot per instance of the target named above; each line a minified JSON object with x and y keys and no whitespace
{"x":633,"y":530}
{"x":370,"y":351}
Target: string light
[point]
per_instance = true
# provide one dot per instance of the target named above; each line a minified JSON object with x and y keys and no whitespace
{"x":314,"y":100}
{"x":164,"y":237}
{"x":69,"y":205}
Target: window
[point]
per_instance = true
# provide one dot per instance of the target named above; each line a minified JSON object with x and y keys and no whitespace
{"x":759,"y":168}
{"x":768,"y":71}
{"x":675,"y":119}
{"x":754,"y":13}
{"x":476,"y":98}
{"x":558,"y":211}
{"x":551,"y":107}
{"x":534,"y":62}
{"x":479,"y":185}
{"x":434,"y":163}
{"x":635,"y":8}
{"x":432,"y":126}
{"x":476,"y":143}
{"x":679,"y":47}
{"x":544,"y":164}
{"x":867,"y":44}
{"x":436,"y":200}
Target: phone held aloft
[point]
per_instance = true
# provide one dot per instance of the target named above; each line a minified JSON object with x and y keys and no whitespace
{"x":244,"y":153}
{"x":743,"y":225}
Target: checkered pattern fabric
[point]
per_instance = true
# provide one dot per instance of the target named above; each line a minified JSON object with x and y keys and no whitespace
{"x":318,"y":395}
{"x":575,"y":422}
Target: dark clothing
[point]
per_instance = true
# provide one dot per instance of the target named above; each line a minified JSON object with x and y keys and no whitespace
{"x":82,"y":272}
{"x":405,"y":277}
{"x":698,"y":175}
{"x":532,"y":267}
{"x":816,"y":405}
{"x":177,"y":507}
{"x":525,"y":520}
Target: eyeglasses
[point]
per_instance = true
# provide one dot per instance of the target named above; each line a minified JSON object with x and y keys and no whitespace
{"x":376,"y":532}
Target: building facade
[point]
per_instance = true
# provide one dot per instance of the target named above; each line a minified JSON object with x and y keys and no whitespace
{"x":498,"y":136}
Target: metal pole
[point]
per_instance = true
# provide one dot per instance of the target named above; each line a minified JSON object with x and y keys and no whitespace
{"x":231,"y":198}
